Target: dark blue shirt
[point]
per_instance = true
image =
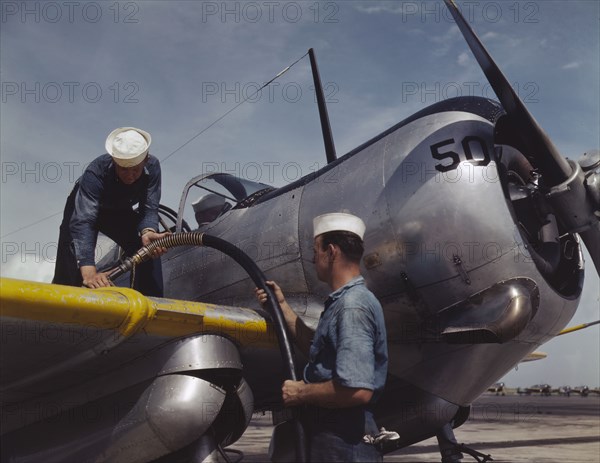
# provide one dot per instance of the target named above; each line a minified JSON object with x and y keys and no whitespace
{"x":101,"y":191}
{"x":349,"y":345}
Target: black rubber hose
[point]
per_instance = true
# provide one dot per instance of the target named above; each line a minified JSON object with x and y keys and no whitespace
{"x":259,"y":279}
{"x":145,"y":253}
{"x":285,"y":346}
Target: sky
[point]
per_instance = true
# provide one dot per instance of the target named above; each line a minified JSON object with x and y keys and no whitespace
{"x":71,"y":72}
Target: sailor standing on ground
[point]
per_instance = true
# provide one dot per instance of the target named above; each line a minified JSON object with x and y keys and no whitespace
{"x":348,"y":358}
{"x":102,"y":200}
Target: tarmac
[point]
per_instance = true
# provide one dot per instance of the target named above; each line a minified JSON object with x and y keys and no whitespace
{"x":511,"y":428}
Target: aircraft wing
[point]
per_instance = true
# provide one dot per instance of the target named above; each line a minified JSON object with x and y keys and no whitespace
{"x":69,"y":353}
{"x":533,"y":356}
{"x":537,"y":355}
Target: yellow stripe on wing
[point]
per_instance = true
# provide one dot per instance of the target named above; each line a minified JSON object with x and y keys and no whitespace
{"x":128,"y":312}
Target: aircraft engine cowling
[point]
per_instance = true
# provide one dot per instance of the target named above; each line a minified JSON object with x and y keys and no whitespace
{"x":199,"y":391}
{"x":462,"y":248}
{"x":189,"y":398}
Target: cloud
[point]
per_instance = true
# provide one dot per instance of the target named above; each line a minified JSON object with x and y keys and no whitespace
{"x":386,"y":7}
{"x":464,"y":59}
{"x":571,"y":65}
{"x":376,"y":9}
{"x":28,"y":267}
{"x":489,"y":36}
{"x":446,"y":41}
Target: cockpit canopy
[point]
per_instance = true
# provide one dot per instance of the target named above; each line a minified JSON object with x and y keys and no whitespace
{"x":207,"y":197}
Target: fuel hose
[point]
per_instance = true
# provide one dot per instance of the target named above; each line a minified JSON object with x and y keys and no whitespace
{"x":259,"y":279}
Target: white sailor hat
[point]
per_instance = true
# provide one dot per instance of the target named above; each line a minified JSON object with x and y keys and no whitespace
{"x":338,"y":221}
{"x":128,"y":146}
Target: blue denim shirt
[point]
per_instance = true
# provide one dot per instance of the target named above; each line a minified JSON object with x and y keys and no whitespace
{"x":100,"y":190}
{"x":350,"y":341}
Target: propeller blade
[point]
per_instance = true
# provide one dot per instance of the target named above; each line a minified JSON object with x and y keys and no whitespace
{"x":553,"y":166}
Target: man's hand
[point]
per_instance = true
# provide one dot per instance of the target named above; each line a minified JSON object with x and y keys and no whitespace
{"x":261,"y":295}
{"x":93,"y":279}
{"x":292,"y":392}
{"x":150,"y":236}
{"x":301,"y":334}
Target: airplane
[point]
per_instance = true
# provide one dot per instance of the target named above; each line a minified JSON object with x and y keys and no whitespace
{"x":583,"y":391}
{"x":542,"y":389}
{"x":472,"y":246}
{"x":497,"y":388}
{"x":563,"y":390}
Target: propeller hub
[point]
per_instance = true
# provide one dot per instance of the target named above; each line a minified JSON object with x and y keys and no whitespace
{"x":590,"y":164}
{"x":589,"y":160}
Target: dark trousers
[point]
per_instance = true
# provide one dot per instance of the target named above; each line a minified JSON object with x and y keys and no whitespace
{"x":448,"y":444}
{"x":119,"y":226}
{"x":336,"y":435}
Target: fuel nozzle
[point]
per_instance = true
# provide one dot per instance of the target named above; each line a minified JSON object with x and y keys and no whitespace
{"x":145,"y":253}
{"x":124,"y":267}
{"x":142,"y":255}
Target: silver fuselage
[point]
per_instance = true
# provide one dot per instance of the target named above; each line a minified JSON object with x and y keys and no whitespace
{"x":440,"y":233}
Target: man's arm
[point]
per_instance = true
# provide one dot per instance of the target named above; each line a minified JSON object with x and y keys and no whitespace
{"x":149,"y":205}
{"x":328,"y":394}
{"x":301,"y":333}
{"x":83,"y":227}
{"x":148,"y":225}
